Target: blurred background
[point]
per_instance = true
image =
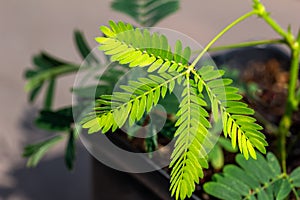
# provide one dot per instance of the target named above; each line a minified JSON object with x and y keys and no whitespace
{"x":29,"y":26}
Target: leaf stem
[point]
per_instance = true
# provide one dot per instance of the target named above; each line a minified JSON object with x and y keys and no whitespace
{"x":227,"y":28}
{"x":152,"y":90}
{"x":246,"y":44}
{"x":290,"y":107}
{"x":295,"y":193}
{"x":48,"y":101}
{"x":266,"y":185}
{"x":52,"y":73}
{"x":242,"y":45}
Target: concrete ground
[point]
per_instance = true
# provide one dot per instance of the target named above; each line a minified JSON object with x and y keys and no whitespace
{"x":27,"y":27}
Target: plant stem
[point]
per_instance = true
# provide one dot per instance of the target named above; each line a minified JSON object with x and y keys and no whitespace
{"x":49,"y":95}
{"x":290,"y":107}
{"x":227,"y":28}
{"x":295,"y":193}
{"x":242,"y":44}
{"x":246,"y":44}
{"x":52,"y":73}
{"x":291,"y":103}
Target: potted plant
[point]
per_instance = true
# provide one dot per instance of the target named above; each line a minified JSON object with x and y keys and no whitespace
{"x":206,"y":101}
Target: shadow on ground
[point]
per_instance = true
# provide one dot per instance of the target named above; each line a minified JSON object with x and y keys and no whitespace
{"x":50,"y":179}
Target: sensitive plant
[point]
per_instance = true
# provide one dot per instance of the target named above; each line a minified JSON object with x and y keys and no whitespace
{"x":202,"y":89}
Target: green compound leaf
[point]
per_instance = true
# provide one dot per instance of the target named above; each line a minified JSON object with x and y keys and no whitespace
{"x":43,"y":62}
{"x":253,"y":179}
{"x":59,"y":120}
{"x":236,"y":116}
{"x":131,"y":103}
{"x":189,"y":156}
{"x":295,"y":177}
{"x":138,"y":47}
{"x":35,"y":152}
{"x":83,"y":48}
{"x":148,"y":12}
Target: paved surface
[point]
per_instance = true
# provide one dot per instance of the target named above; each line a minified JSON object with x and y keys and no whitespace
{"x":26,"y":27}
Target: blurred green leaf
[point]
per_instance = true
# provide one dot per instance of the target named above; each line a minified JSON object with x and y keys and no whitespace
{"x":36,"y":151}
{"x":60,"y":120}
{"x":92,"y":91}
{"x":45,"y":61}
{"x":49,"y":95}
{"x":216,"y":157}
{"x":70,"y":150}
{"x":295,"y":177}
{"x":34,"y":92}
{"x":83,"y":48}
{"x":226,"y":144}
{"x":284,"y":190}
{"x":148,"y":12}
{"x":217,"y":189}
{"x":51,"y":73}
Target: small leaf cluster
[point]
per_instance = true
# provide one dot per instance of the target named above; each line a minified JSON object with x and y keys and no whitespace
{"x":47,"y":69}
{"x":148,"y":12}
{"x":260,"y":179}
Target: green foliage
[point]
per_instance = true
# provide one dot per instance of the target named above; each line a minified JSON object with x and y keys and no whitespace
{"x":167,"y":69}
{"x":260,"y":179}
{"x":35,"y":152}
{"x":236,"y":116}
{"x":295,"y":177}
{"x":128,"y":46}
{"x":70,"y":150}
{"x":59,"y":120}
{"x":148,"y":12}
{"x":47,"y":68}
{"x":189,"y":155}
{"x":83,"y":48}
{"x":125,"y":44}
{"x":43,"y":62}
{"x":106,"y":83}
{"x":136,"y":98}
{"x":216,"y":155}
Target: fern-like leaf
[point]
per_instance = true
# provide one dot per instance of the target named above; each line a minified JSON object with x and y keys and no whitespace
{"x":260,"y":179}
{"x":189,"y":155}
{"x":131,"y":103}
{"x":236,"y":116}
{"x":136,"y":47}
{"x":147,"y":12}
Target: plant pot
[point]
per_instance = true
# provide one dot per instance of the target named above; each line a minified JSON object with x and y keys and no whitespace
{"x":151,"y":185}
